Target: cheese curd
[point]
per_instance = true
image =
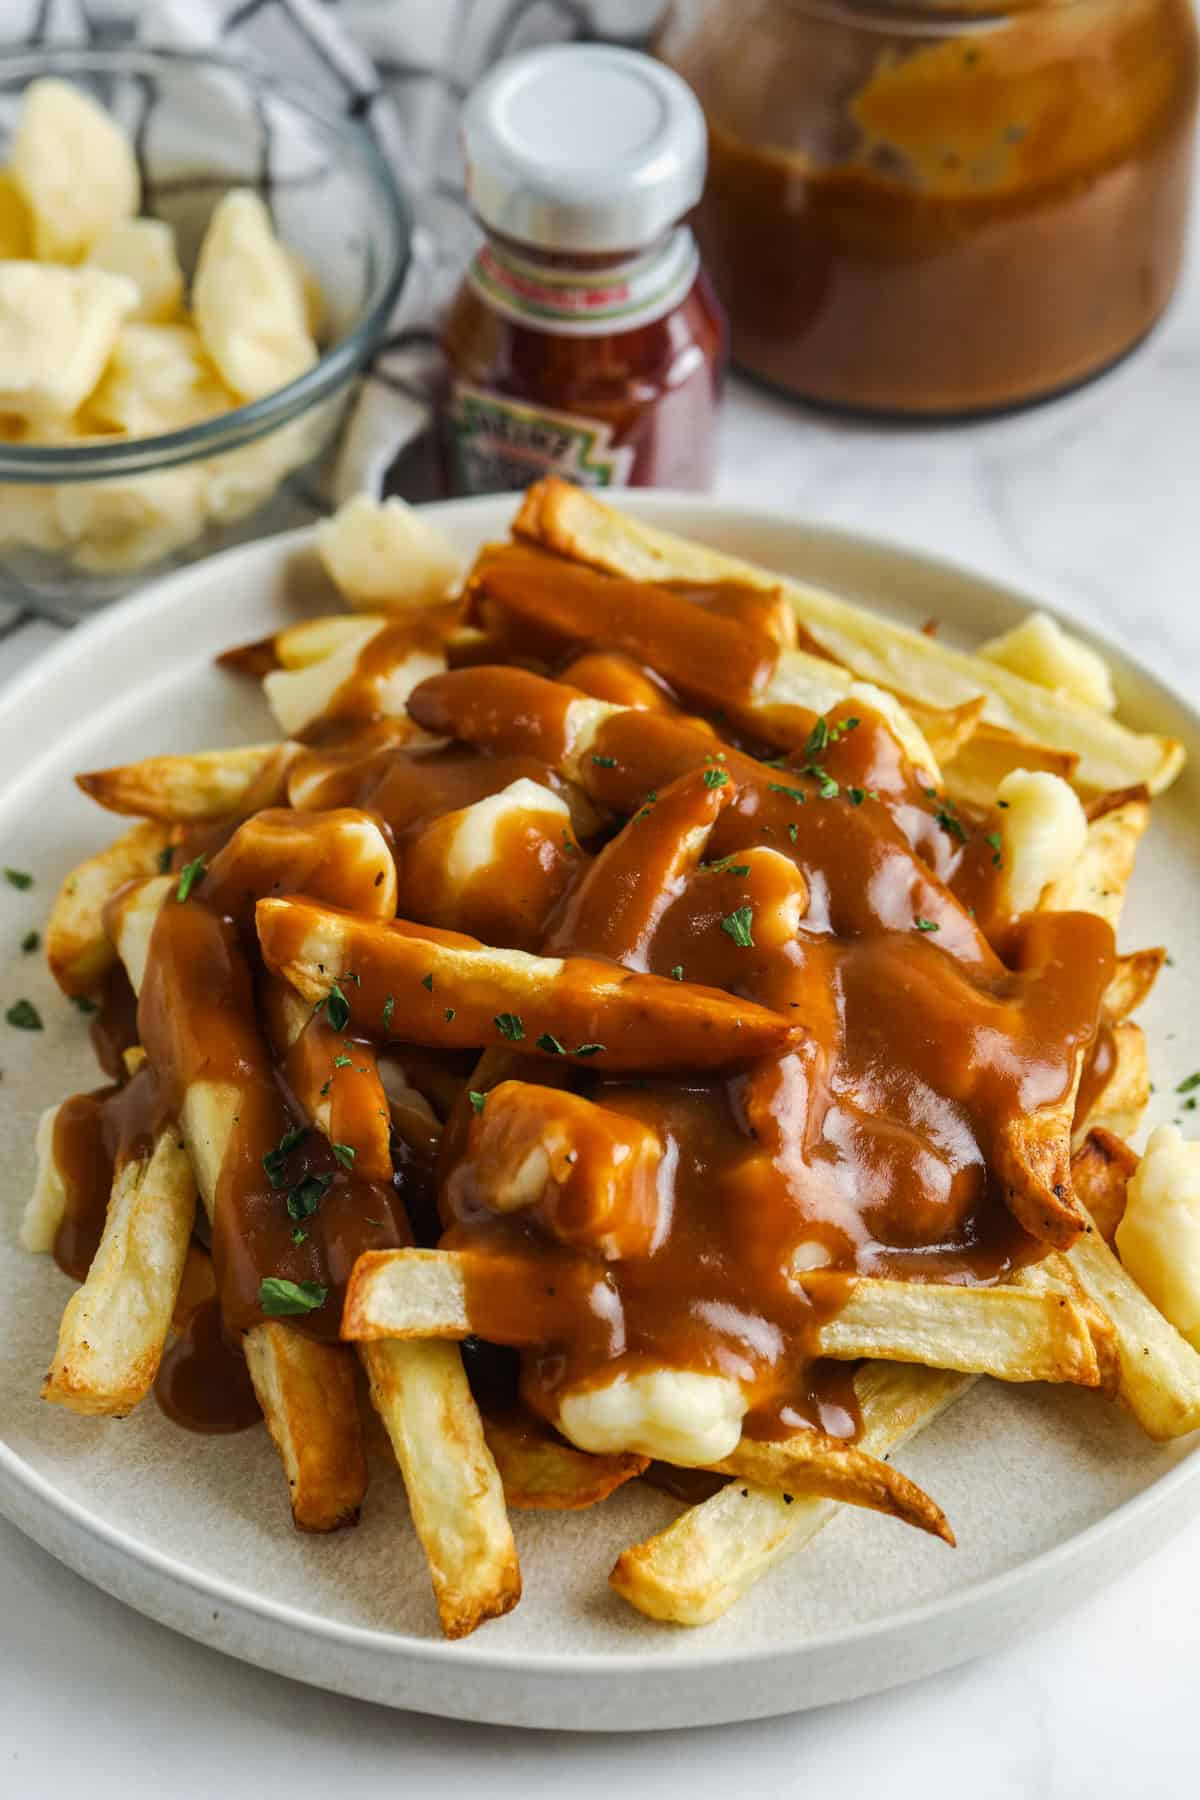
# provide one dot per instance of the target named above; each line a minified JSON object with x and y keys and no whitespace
{"x":158,"y":379}
{"x":680,"y":1416}
{"x":127,"y":521}
{"x":1043,"y":831}
{"x":386,"y":557}
{"x":16,"y":228}
{"x":143,"y":250}
{"x":1158,"y":1239}
{"x":74,"y":167}
{"x":1040,"y":650}
{"x":57,"y":330}
{"x":247,"y":302}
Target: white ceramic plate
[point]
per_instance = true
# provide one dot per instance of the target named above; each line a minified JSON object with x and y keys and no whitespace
{"x":1050,"y":1492}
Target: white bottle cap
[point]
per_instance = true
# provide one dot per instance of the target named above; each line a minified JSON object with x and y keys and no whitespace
{"x":583,"y":147}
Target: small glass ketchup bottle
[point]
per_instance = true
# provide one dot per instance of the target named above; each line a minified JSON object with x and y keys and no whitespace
{"x":585,"y":339}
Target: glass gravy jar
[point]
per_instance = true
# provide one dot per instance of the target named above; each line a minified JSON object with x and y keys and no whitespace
{"x":941,"y":210}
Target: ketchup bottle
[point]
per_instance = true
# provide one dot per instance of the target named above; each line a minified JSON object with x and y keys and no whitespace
{"x":585,"y":339}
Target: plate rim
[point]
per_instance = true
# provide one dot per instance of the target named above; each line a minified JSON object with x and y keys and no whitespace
{"x":21,"y":1481}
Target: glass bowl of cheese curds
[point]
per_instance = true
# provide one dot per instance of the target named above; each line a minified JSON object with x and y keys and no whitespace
{"x":195,"y":261}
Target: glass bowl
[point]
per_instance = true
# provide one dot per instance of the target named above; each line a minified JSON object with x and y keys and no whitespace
{"x":82,"y":522}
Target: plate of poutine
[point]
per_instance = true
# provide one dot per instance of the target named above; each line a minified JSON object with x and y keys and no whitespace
{"x":610,"y":1025}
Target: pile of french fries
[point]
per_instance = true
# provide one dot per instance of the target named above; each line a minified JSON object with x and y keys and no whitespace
{"x":974,"y":721}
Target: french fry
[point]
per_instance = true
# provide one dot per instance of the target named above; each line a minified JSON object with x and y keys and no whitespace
{"x":1120,"y":1103}
{"x":976,"y":768}
{"x":1160,"y":1372}
{"x":543,"y":1473}
{"x":713,"y":1553}
{"x":78,"y":948}
{"x":1014,"y":1335}
{"x":450,"y":992}
{"x":47,"y":1203}
{"x":305,"y":1388}
{"x":114,"y":1327}
{"x":454,"y":1490}
{"x":1132,"y":982}
{"x":1098,"y":880}
{"x":811,"y":1463}
{"x":1054,"y":1274}
{"x":209,"y":784}
{"x":1031,"y":1154}
{"x":330,"y":683}
{"x":573,"y":522}
{"x":306,"y":1391}
{"x":1100,"y":1171}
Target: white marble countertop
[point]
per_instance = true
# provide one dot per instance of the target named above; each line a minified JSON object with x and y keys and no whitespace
{"x":1092,"y":503}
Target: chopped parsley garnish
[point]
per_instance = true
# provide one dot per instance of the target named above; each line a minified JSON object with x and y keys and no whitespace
{"x":1189,"y":1083}
{"x":818,"y":737}
{"x":791,"y":793}
{"x":949,"y":824}
{"x":448,"y":1014}
{"x":726,"y":866}
{"x":856,"y":795}
{"x":190,"y":876}
{"x":677,"y":972}
{"x":476,"y":1100}
{"x":793,"y":832}
{"x":427,"y":981}
{"x":389,"y":1007}
{"x":24,"y":1015}
{"x":550,"y":1044}
{"x":995,"y":841}
{"x":587,"y":1050}
{"x":30,"y":942}
{"x":18,"y":878}
{"x":509,"y":1026}
{"x":837,"y":731}
{"x":345,"y":1154}
{"x":926,"y":924}
{"x":569,"y":844}
{"x":738,"y":925}
{"x":164,"y":858}
{"x":325,"y":1087}
{"x":342,"y":1061}
{"x":274,"y":1159}
{"x":605,"y":762}
{"x":337,"y":1008}
{"x":299,"y":1235}
{"x":826,"y":784}
{"x":280,"y":1298}
{"x":715,"y":778}
{"x":82,"y":1004}
{"x":304,"y":1199}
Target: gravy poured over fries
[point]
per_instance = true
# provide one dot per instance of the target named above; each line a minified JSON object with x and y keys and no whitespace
{"x":610,"y":973}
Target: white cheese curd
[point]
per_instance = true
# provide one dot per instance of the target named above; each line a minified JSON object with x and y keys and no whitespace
{"x":1040,"y":650}
{"x":1158,"y":1240}
{"x":681,"y":1416}
{"x":143,"y":250}
{"x":74,"y":167}
{"x":475,"y":843}
{"x":385,"y":556}
{"x":1042,"y":833}
{"x":158,"y":379}
{"x":247,"y":302}
{"x":128,"y":521}
{"x":57,"y":330}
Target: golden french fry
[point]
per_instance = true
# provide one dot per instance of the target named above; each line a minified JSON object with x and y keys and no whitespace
{"x":1160,"y":1371}
{"x":572,"y":521}
{"x":306,"y":1391}
{"x":420,"y":1392}
{"x":1133,"y":981}
{"x":1054,"y":1274}
{"x":1100,"y":1171}
{"x":814,"y":1464}
{"x":454,"y":993}
{"x":339,"y":678}
{"x":1121,"y":1101}
{"x":1031,"y":1154}
{"x":315,"y":640}
{"x":114,"y":1327}
{"x":542,"y":1473}
{"x":78,"y":948}
{"x":1098,"y":880}
{"x":701,"y":1564}
{"x":975,"y":769}
{"x":47,"y":1203}
{"x":208,"y":784}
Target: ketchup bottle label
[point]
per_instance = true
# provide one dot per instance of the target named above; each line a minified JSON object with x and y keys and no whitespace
{"x":496,"y":443}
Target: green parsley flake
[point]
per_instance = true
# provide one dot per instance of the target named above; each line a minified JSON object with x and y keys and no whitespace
{"x":280,"y":1299}
{"x":337,"y":1008}
{"x":448,"y":1014}
{"x":389,"y":1007}
{"x":949,"y":824}
{"x":427,"y":981}
{"x":818,"y":737}
{"x":30,"y":942}
{"x":550,"y":1044}
{"x":18,"y":878}
{"x":587,"y":1050}
{"x":82,"y":1004}
{"x":605,"y":762}
{"x":509,"y":1026}
{"x":304,"y":1199}
{"x":342,"y":1061}
{"x":326,"y":1087}
{"x":727,"y":866}
{"x":677,"y":972}
{"x":737,"y":925}
{"x":190,"y":876}
{"x":856,"y":795}
{"x":793,"y":832}
{"x":273,"y":1160}
{"x":715,"y":778}
{"x":926,"y":924}
{"x":299,"y":1235}
{"x":24,"y":1015}
{"x":164,"y":858}
{"x":476,"y":1100}
{"x":1189,"y":1083}
{"x":345,"y":1154}
{"x":826,"y":784}
{"x":837,"y":731}
{"x":995,"y":841}
{"x":789,"y":793}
